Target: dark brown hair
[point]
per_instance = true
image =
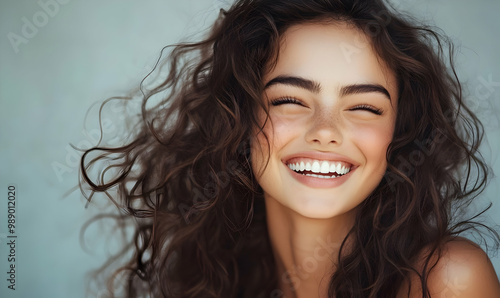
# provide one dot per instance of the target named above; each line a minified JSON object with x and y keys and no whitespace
{"x":185,"y":175}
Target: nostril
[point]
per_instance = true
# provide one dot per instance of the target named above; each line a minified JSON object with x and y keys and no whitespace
{"x":324,"y":140}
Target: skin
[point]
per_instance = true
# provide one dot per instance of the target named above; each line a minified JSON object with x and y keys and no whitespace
{"x":464,"y":270}
{"x":307,"y":221}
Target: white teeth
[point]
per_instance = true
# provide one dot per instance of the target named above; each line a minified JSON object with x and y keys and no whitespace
{"x":320,"y":167}
{"x":346,"y":170}
{"x":325,"y":167}
{"x":322,"y":176}
{"x":315,"y":167}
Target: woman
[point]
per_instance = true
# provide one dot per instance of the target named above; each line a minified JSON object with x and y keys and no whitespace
{"x":310,"y":149}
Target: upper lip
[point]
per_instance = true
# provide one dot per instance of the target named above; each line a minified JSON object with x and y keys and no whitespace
{"x":319,"y":155}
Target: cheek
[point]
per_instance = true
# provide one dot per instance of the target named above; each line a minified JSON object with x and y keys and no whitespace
{"x":275,"y":135}
{"x":373,"y":142}
{"x":279,"y":131}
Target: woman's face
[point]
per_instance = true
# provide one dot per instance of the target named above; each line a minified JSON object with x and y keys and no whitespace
{"x":332,"y":111}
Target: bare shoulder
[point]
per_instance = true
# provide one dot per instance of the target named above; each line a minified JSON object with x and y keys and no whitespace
{"x":463,"y":270}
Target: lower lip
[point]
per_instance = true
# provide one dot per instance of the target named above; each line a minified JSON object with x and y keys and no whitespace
{"x":319,"y":182}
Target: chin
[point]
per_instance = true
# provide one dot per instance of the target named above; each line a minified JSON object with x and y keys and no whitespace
{"x":316,"y":207}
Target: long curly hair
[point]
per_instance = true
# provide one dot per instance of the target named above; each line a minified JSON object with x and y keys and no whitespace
{"x":184,"y":174}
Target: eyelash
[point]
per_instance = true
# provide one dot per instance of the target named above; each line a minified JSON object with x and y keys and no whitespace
{"x":367,"y":108}
{"x":287,"y":99}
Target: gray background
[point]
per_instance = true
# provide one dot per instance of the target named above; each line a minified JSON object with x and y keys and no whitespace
{"x":89,"y":50}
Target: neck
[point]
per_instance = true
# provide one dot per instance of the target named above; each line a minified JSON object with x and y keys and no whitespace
{"x":305,"y":249}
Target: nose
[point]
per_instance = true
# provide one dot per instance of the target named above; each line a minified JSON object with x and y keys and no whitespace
{"x":324,"y":129}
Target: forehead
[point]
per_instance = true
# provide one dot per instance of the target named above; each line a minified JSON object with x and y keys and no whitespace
{"x":333,"y":53}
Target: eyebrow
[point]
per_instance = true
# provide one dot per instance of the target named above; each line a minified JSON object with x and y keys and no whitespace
{"x":295,"y":81}
{"x":315,"y":87}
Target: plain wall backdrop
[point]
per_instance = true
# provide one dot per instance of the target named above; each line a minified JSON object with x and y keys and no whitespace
{"x":78,"y":52}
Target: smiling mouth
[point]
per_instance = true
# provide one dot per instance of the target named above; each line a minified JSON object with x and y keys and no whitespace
{"x":320,"y":168}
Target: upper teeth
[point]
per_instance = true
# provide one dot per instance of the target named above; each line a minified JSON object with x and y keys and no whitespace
{"x":323,"y":167}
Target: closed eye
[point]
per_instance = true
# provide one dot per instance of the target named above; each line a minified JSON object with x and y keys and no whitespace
{"x":368,"y":108}
{"x":285,"y":100}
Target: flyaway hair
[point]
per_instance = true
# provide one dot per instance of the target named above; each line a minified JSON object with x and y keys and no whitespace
{"x":184,"y":174}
